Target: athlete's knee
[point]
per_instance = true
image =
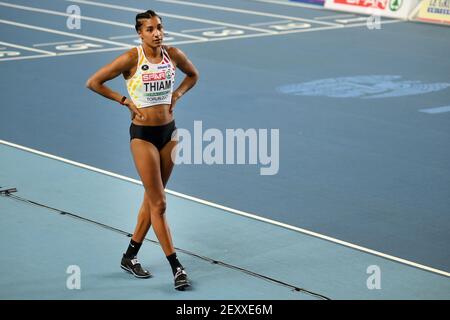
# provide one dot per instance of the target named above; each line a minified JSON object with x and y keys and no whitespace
{"x":145,"y":207}
{"x":158,"y":206}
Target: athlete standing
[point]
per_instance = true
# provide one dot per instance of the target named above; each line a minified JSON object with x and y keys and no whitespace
{"x":149,"y":71}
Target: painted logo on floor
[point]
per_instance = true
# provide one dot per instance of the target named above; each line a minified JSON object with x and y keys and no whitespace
{"x":365,"y":87}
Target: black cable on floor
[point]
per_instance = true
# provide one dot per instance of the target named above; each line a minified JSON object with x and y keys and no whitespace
{"x":9,"y":193}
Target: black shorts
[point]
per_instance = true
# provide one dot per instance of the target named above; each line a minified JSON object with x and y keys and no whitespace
{"x":157,"y":135}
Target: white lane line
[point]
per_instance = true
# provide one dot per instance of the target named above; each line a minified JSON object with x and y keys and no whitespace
{"x":238,"y":212}
{"x":281,"y":33}
{"x":63,"y":14}
{"x":175,"y":16}
{"x":247,"y":36}
{"x":118,"y":49}
{"x":71,"y":53}
{"x":186,"y":36}
{"x":91,"y":51}
{"x":26,"y":57}
{"x":364,"y":24}
{"x":183,"y":42}
{"x":53,"y":43}
{"x":354,"y":25}
{"x":333,"y":26}
{"x":347,"y":21}
{"x":250,"y":12}
{"x":436,"y":110}
{"x":269,"y":23}
{"x":26,"y":48}
{"x":203,"y":29}
{"x":65,"y":54}
{"x":293,"y":4}
{"x":124,"y":37}
{"x":168,"y":33}
{"x":73,"y":35}
{"x":83,"y":17}
{"x":335,"y":16}
{"x":317,"y":29}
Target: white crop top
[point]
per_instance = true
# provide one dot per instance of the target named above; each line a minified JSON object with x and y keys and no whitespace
{"x":152,"y":84}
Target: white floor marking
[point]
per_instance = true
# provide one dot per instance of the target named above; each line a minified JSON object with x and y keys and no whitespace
{"x":175,"y":16}
{"x":250,"y":12}
{"x":8,"y":44}
{"x":238,"y":212}
{"x":436,"y":110}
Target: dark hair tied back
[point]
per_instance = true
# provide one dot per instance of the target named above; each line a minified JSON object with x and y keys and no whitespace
{"x":144,"y":15}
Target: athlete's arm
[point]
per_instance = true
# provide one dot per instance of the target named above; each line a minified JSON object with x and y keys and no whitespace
{"x":121,"y":64}
{"x":184,"y":64}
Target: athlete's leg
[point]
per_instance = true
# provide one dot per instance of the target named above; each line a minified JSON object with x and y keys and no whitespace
{"x":181,"y":280}
{"x":144,"y":221}
{"x":167,"y":165}
{"x":148,"y":164}
{"x":166,"y":161}
{"x":144,"y":218}
{"x":129,"y":260}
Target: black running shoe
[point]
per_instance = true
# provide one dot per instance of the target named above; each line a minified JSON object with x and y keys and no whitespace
{"x":181,"y":280}
{"x":133,"y":266}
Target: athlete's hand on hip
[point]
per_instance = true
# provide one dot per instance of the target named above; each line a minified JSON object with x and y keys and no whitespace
{"x":134,"y":110}
{"x":172,"y":106}
{"x":175,"y":97}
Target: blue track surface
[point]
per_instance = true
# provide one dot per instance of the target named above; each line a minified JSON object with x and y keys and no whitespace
{"x":372,"y":171}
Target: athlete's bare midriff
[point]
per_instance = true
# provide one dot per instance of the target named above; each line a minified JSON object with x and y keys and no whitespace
{"x":155,"y":115}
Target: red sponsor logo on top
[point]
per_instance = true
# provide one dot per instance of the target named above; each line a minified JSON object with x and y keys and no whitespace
{"x":147,"y":77}
{"x":380,"y":4}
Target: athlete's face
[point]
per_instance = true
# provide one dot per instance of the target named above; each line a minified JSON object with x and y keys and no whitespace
{"x":152,"y":32}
